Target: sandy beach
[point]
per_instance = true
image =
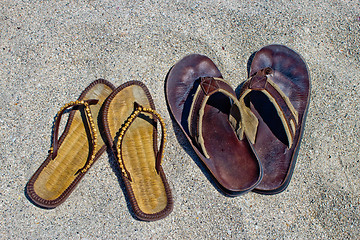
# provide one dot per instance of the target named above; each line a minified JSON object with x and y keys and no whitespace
{"x":50,"y":51}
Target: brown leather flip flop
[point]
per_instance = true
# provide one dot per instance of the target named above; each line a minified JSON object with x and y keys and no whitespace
{"x":204,"y":105}
{"x":74,"y":153}
{"x":278,"y":93}
{"x":130,"y":124}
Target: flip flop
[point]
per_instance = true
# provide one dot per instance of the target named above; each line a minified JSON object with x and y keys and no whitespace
{"x":71,"y":156}
{"x":278,"y":93}
{"x":130,"y":121}
{"x":204,"y":106}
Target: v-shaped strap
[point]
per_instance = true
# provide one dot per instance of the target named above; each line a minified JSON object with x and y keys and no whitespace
{"x":125,"y":127}
{"x":207,"y":87}
{"x":261,"y":81}
{"x":55,"y":142}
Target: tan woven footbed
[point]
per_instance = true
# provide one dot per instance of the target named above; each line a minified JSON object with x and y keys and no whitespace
{"x":73,"y":152}
{"x":138,"y":149}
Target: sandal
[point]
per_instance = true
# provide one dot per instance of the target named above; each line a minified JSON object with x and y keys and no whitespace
{"x":205,"y":106}
{"x":71,"y":156}
{"x":278,"y":93}
{"x":130,"y":122}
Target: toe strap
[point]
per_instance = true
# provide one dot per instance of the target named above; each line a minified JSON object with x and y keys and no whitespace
{"x":240,"y":116}
{"x":261,"y":81}
{"x":160,"y":153}
{"x":55,"y":142}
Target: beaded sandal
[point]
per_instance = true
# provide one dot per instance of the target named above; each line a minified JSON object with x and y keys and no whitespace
{"x":129,"y":120}
{"x":71,"y":156}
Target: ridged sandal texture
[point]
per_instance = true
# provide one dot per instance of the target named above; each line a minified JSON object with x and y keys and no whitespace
{"x":201,"y":101}
{"x":129,"y":116}
{"x":278,"y":93}
{"x":73,"y":153}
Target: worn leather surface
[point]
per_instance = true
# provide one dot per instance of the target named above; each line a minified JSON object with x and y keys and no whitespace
{"x":208,"y":86}
{"x":290,"y":74}
{"x":231,"y":162}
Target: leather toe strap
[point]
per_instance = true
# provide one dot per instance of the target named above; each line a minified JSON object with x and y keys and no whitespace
{"x":261,"y":81}
{"x":240,"y":116}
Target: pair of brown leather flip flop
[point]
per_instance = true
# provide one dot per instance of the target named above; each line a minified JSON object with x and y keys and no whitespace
{"x":127,"y":120}
{"x":248,"y":142}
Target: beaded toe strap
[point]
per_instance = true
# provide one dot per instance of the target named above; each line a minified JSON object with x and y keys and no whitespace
{"x":55,"y":143}
{"x":125,"y":127}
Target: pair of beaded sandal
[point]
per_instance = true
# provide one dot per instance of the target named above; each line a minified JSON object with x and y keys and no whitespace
{"x":127,"y":117}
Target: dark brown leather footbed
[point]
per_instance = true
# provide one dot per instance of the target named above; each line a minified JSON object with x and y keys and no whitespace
{"x":232,"y":163}
{"x":291,"y":75}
